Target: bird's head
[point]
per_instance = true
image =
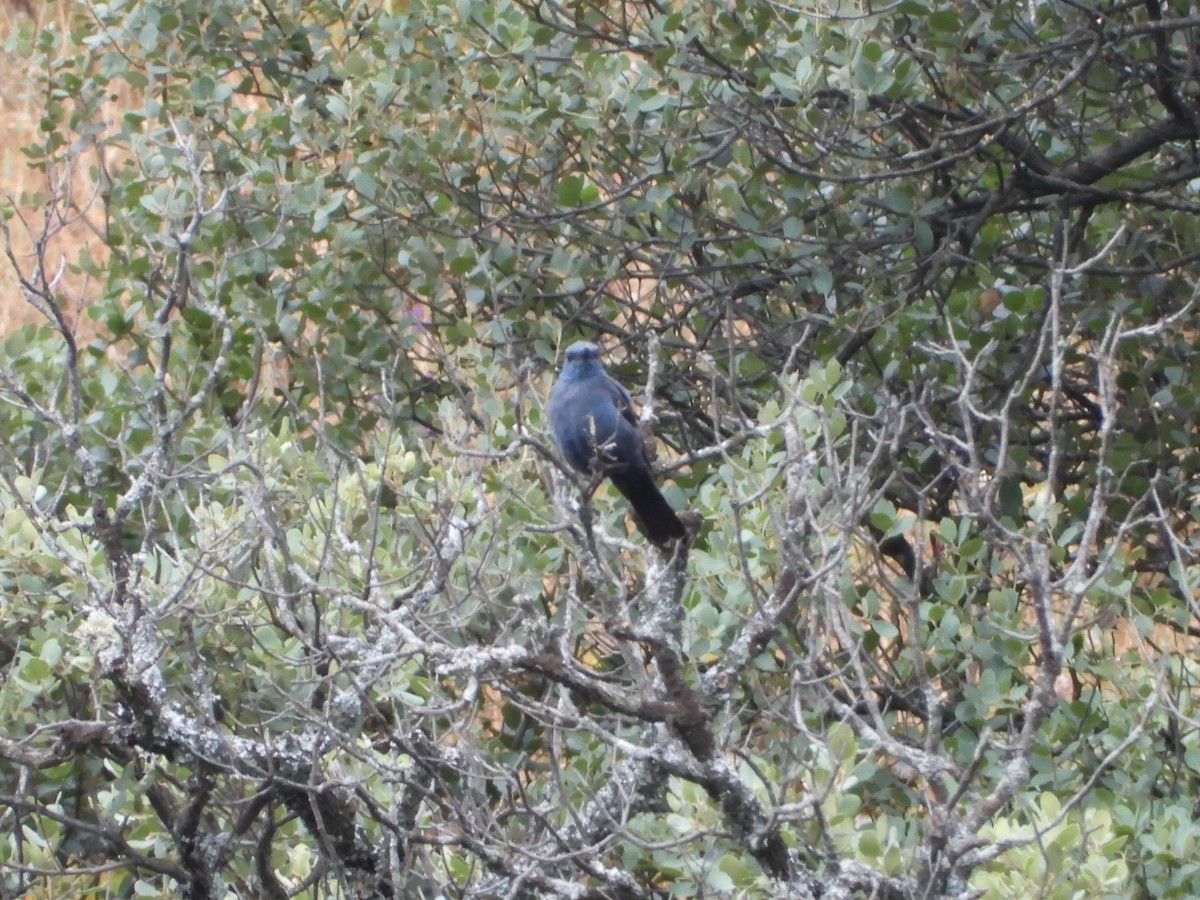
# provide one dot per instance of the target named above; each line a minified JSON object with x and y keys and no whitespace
{"x":582,"y":359}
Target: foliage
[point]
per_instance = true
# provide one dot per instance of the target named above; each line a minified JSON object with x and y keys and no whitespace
{"x":296,"y":601}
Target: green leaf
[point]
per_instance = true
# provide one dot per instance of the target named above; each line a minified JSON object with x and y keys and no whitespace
{"x":570,"y":190}
{"x":945,"y":21}
{"x":885,"y":629}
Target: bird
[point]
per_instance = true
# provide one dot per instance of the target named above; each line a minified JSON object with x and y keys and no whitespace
{"x":591,"y":420}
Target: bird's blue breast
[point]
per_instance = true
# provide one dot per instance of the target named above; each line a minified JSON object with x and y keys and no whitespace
{"x":584,"y":420}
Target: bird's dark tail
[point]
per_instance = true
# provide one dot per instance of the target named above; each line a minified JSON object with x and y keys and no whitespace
{"x":655,"y":517}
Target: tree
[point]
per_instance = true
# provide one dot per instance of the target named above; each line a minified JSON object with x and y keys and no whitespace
{"x":298,"y":601}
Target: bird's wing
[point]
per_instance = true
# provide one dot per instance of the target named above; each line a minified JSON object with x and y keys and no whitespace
{"x":621,"y":400}
{"x":628,"y":434}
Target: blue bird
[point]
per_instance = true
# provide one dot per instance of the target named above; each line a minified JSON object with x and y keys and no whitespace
{"x":592,"y":422}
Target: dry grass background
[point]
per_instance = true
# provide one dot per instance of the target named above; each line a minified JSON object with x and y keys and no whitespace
{"x":19,"y":128}
{"x":20,"y":183}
